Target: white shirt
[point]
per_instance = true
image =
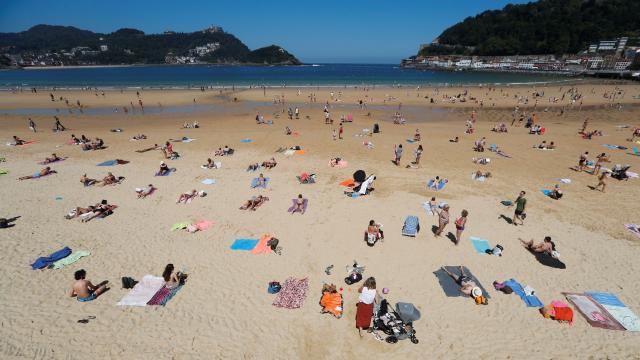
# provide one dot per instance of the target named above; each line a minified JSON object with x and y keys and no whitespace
{"x":367,"y":296}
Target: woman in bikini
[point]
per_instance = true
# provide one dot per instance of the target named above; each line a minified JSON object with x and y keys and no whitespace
{"x":460,"y":224}
{"x":298,"y":205}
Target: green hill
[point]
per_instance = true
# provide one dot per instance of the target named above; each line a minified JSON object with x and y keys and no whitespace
{"x":131,"y":46}
{"x":543,"y":27}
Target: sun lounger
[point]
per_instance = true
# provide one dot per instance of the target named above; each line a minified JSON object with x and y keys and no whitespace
{"x":594,"y":313}
{"x":411,"y":226}
{"x":143,"y":292}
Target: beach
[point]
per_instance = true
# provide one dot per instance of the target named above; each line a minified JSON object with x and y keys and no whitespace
{"x":224,"y":310}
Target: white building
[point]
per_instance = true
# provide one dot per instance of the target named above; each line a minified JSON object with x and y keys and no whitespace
{"x":104,"y":48}
{"x":595,"y":63}
{"x":463,"y":63}
{"x":622,"y":65}
{"x":607,"y":45}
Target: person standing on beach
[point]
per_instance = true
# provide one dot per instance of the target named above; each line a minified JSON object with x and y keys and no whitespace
{"x":582,"y":163}
{"x":398,"y":153}
{"x":340,"y":131}
{"x":521,"y":204}
{"x":334,"y":135}
{"x":601,"y":181}
{"x":460,"y":224}
{"x":58,"y":125}
{"x":418,"y":153}
{"x":32,"y":125}
{"x":443,"y":219}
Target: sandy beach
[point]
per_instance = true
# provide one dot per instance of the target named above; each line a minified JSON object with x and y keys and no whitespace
{"x":224,"y":310}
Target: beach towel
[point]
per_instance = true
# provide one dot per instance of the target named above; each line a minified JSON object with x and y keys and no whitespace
{"x":180,"y":226}
{"x":478,"y":178}
{"x":4,"y":171}
{"x":411,"y":226}
{"x":546,"y":192}
{"x":246,"y":141}
{"x":305,"y":202}
{"x":75,"y":256}
{"x":300,"y":152}
{"x":617,"y":309}
{"x":449,"y":286}
{"x":529,"y":300}
{"x":254,"y":183}
{"x":170,"y":296}
{"x":172,"y":170}
{"x":596,"y":315}
{"x":635,"y":152}
{"x":347,"y":183}
{"x":480,"y":245}
{"x":113,"y":162}
{"x":208,"y":181}
{"x":632,"y":175}
{"x":506,"y":202}
{"x":340,"y":164}
{"x":45,"y":261}
{"x":159,"y":296}
{"x":410,"y":141}
{"x":440,"y":186}
{"x":565,"y":181}
{"x":292,"y":294}
{"x":143,"y":292}
{"x":203,"y":225}
{"x":633,"y":228}
{"x":261,"y":246}
{"x":614,"y":147}
{"x":52,"y":162}
{"x":244,"y":244}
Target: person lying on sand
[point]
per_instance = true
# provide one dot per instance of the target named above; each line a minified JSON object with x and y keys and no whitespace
{"x":270,"y":164}
{"x":479,"y":174}
{"x":17,"y":141}
{"x":52,"y":158}
{"x":79,"y":211}
{"x":210,"y":164}
{"x":287,"y":131}
{"x":261,"y":182}
{"x":139,"y":137}
{"x":454,"y":140}
{"x":298,"y":206}
{"x":481,"y":161}
{"x":334,"y":162}
{"x":547,"y":246}
{"x":479,"y":145}
{"x":87,"y":181}
{"x":111,"y":179}
{"x":254,"y":203}
{"x":556,"y":193}
{"x":44,"y":172}
{"x":164,"y":169}
{"x":100,"y":210}
{"x":436,"y":182}
{"x":467,"y":285}
{"x":253,"y":167}
{"x":219,"y":152}
{"x":184,"y":197}
{"x":143,"y":193}
{"x":75,"y":140}
{"x":501,"y":128}
{"x":83,"y":289}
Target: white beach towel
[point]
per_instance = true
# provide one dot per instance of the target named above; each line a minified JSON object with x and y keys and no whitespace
{"x":565,"y":181}
{"x":289,"y":152}
{"x":143,"y":291}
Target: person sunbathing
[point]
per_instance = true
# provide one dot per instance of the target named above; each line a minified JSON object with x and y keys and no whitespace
{"x":84,"y":290}
{"x":79,"y":211}
{"x":173,"y":279}
{"x":52,"y":158}
{"x":98,"y":144}
{"x":479,"y":145}
{"x":100,"y":210}
{"x":454,"y":140}
{"x":479,"y":174}
{"x":270,"y":164}
{"x":44,"y":172}
{"x":210,"y":164}
{"x":17,"y":141}
{"x":556,"y":193}
{"x":547,"y":246}
{"x":184,"y":197}
{"x":467,"y":285}
{"x":219,"y":152}
{"x":542,"y":145}
{"x":110,"y":179}
{"x":334,"y":162}
{"x":87,"y":181}
{"x":253,"y":167}
{"x":75,"y":140}
{"x":254,"y":202}
{"x":139,"y":137}
{"x":298,"y":205}
{"x":551,"y":146}
{"x":164,"y":169}
{"x":375,"y":230}
{"x":481,"y":161}
{"x":287,"y":131}
{"x":306,"y":178}
{"x":416,"y":136}
{"x":143,"y":193}
{"x":261,"y":181}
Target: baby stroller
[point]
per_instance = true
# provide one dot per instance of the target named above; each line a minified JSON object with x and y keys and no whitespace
{"x":397,"y":324}
{"x":620,"y":172}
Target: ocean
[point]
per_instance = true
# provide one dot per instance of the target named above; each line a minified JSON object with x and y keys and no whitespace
{"x":185,"y":76}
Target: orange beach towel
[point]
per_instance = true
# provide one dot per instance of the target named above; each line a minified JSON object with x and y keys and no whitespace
{"x":262,"y":247}
{"x":348,"y":183}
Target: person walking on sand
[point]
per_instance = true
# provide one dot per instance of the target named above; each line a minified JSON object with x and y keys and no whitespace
{"x":599,"y":160}
{"x":582,"y":163}
{"x":335,"y":136}
{"x":340,"y":131}
{"x":601,"y":181}
{"x":398,"y":152}
{"x":418,"y":153}
{"x":58,"y":125}
{"x":32,"y":125}
{"x":519,"y":213}
{"x":460,"y":224}
{"x":443,"y":219}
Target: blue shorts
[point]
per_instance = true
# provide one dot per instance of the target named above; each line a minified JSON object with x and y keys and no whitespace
{"x":92,"y":296}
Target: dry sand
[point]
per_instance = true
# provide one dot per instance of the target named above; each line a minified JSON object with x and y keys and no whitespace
{"x":224,"y":310}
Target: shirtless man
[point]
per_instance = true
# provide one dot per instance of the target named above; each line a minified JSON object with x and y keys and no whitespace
{"x":582,"y":163}
{"x":17,"y":141}
{"x":599,"y":160}
{"x":110,"y":179}
{"x":466,"y":283}
{"x":43,"y":172}
{"x":87,"y":181}
{"x":84,"y":290}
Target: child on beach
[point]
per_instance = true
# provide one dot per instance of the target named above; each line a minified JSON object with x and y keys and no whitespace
{"x":460,"y":224}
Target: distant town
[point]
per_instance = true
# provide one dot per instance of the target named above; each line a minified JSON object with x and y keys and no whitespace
{"x":610,"y":58}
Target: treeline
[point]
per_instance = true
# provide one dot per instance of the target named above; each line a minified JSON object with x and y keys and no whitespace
{"x":543,"y":27}
{"x":129,"y":46}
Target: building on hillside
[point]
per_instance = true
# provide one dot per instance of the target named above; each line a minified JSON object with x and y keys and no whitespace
{"x":104,"y":48}
{"x":213,"y":29}
{"x":607,"y":45}
{"x":621,"y":65}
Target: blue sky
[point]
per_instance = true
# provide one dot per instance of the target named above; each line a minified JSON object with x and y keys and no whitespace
{"x":371,"y":31}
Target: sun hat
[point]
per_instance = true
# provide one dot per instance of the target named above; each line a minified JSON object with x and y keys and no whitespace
{"x":476,"y":291}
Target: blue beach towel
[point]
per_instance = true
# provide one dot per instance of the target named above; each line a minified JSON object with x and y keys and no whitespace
{"x":546,"y":192}
{"x":172,"y":170}
{"x":410,"y":141}
{"x":411,"y":226}
{"x":246,"y":141}
{"x":109,"y":163}
{"x":440,"y":186}
{"x":530,"y":301}
{"x":506,"y":202}
{"x":636,"y":152}
{"x":45,"y":261}
{"x":480,"y":245}
{"x":254,"y":183}
{"x":209,"y":181}
{"x":618,"y":310}
{"x":244,"y":244}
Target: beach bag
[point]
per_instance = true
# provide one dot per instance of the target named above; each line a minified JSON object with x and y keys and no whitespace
{"x":128,"y":283}
{"x":274,"y":287}
{"x":353,"y":278}
{"x":273,"y":243}
{"x":3,"y":223}
{"x":563,"y":314}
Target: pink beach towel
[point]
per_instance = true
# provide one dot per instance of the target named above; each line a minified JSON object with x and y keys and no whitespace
{"x":341,"y":164}
{"x":203,"y":225}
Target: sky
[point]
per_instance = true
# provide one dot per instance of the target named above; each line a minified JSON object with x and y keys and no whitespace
{"x":326,"y":31}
